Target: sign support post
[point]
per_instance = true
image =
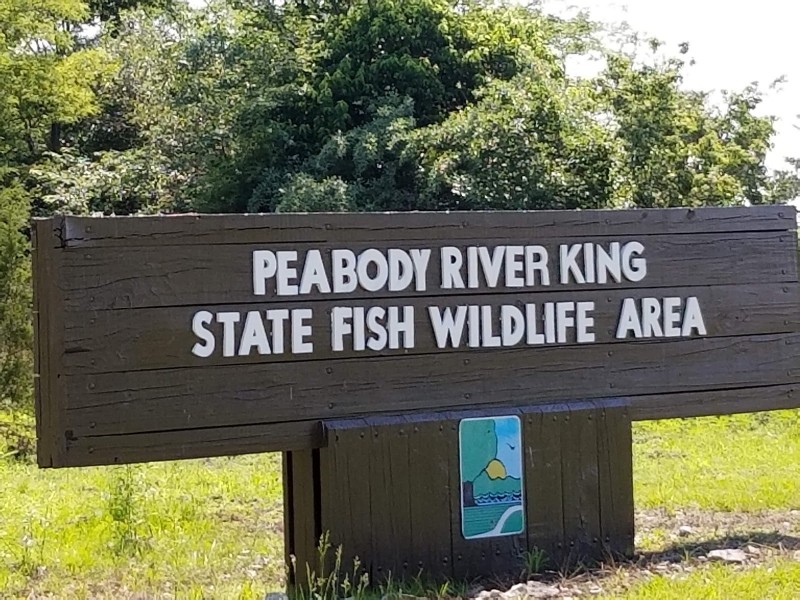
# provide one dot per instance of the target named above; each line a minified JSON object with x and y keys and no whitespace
{"x":388,"y":491}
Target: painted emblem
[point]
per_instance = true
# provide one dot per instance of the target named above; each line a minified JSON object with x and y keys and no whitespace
{"x":490,"y":461}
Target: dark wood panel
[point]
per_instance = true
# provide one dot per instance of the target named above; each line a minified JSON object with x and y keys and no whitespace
{"x":429,"y":464}
{"x":214,"y":229}
{"x":353,"y":473}
{"x":584,"y":424}
{"x":190,"y":443}
{"x":716,"y":402}
{"x":141,"y":277}
{"x":615,"y":464}
{"x":194,"y":398}
{"x":48,"y":322}
{"x":397,"y":453}
{"x":387,"y":525}
{"x":543,"y":489}
{"x":141,"y":339}
{"x":301,"y":491}
{"x":195,"y":443}
{"x":337,"y":519}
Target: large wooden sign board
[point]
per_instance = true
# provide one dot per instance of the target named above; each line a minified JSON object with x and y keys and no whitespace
{"x":186,"y":336}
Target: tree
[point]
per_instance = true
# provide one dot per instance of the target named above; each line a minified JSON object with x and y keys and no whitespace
{"x":44,"y":82}
{"x":384,"y":105}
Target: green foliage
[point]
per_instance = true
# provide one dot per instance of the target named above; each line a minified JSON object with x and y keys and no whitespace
{"x":16,"y":359}
{"x":420,"y":105}
{"x":124,"y":507}
{"x":535,"y":561}
{"x":334,"y":580}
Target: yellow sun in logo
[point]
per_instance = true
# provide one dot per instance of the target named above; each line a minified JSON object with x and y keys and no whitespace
{"x":496,"y":470}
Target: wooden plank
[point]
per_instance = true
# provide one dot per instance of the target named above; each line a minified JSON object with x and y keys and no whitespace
{"x":429,"y":466}
{"x":714,"y":402}
{"x":194,"y":443}
{"x":355,"y":443}
{"x":214,"y":229}
{"x":353,"y":467}
{"x":288,"y":518}
{"x":330,"y":492}
{"x":177,"y":399}
{"x":142,"y":339}
{"x":191,"y":443}
{"x":300,"y":502}
{"x":585,"y":423}
{"x":386,"y":524}
{"x":50,"y":402}
{"x":544,"y":516}
{"x":615,"y":465}
{"x":481,"y":557}
{"x":142,"y":277}
{"x":400,"y":506}
{"x":571,"y":468}
{"x":40,"y":358}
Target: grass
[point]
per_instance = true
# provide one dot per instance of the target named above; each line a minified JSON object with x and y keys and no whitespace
{"x":736,"y":463}
{"x":213,"y":528}
{"x":194,"y":529}
{"x":776,"y":580}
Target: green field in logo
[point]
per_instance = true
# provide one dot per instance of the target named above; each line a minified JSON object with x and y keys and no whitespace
{"x":490,"y":461}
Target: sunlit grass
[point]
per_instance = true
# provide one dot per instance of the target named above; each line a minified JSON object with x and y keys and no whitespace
{"x":205,"y":525}
{"x":776,"y":580}
{"x":742,"y":462}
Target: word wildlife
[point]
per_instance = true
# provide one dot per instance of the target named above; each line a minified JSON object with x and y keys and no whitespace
{"x":326,"y":275}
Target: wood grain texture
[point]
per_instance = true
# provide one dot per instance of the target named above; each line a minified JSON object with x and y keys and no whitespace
{"x":111,"y":404}
{"x":143,"y":339}
{"x":116,"y":380}
{"x":191,"y":443}
{"x":615,"y":470}
{"x":49,"y":402}
{"x":273,"y":228}
{"x":152,"y":276}
{"x":544,"y":508}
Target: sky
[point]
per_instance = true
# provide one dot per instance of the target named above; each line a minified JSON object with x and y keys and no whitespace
{"x":734,"y":43}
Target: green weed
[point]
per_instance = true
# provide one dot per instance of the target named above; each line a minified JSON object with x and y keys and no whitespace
{"x":535,"y":561}
{"x":332,"y":581}
{"x":128,"y":525}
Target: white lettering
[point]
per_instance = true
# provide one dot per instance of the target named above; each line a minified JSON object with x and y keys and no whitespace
{"x":629,"y":320}
{"x":314,"y":274}
{"x":448,"y":325}
{"x":344,"y":271}
{"x":693,"y":318}
{"x":264,"y":267}
{"x":200,"y":321}
{"x":254,"y":334}
{"x":451,"y":266}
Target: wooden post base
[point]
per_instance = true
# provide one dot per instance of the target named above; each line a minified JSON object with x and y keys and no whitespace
{"x":388,"y":491}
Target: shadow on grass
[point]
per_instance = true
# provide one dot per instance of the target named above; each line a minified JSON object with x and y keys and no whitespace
{"x":757,"y":545}
{"x":695,"y":548}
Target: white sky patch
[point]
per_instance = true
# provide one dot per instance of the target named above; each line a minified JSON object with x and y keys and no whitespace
{"x":734,"y":43}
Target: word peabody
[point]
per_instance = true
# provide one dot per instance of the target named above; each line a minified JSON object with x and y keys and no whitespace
{"x":397,"y":270}
{"x":286,"y":273}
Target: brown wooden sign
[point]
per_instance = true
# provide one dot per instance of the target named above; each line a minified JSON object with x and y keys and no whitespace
{"x":187,"y":336}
